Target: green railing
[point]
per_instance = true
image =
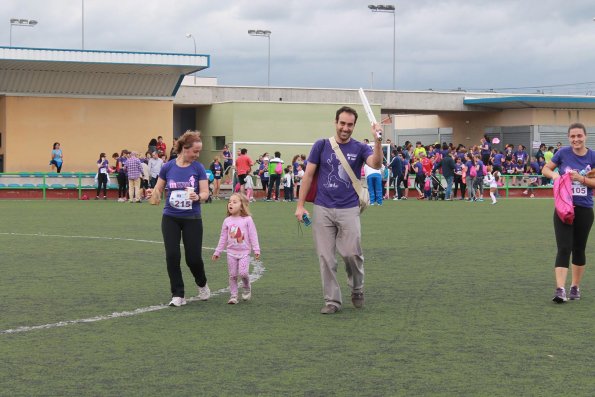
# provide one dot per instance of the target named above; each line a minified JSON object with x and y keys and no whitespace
{"x":45,"y":181}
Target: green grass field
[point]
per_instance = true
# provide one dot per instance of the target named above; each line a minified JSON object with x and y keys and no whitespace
{"x":458,"y":302}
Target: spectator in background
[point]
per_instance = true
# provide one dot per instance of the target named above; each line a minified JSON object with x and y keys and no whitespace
{"x":288,"y":184}
{"x":496,"y":160}
{"x":418,"y":150}
{"x":155,"y":164}
{"x":458,"y":179}
{"x":57,"y":158}
{"x":541,"y":151}
{"x":152,"y":147}
{"x":217,"y":169}
{"x":102,"y":171}
{"x":161,"y":147}
{"x":134,"y":172}
{"x":275,"y":175}
{"x":485,"y":149}
{"x":144,"y":179}
{"x":263,"y":173}
{"x":173,"y":153}
{"x":374,"y":180}
{"x":122,"y":178}
{"x":447,"y":164}
{"x":396,"y":170}
{"x":558,"y":147}
{"x":227,"y":161}
{"x":243,"y":166}
{"x":521,"y":154}
{"x":298,"y":180}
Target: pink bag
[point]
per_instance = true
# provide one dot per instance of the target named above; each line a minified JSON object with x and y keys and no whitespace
{"x":563,"y":199}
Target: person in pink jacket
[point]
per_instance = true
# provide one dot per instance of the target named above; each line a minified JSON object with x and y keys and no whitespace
{"x":239,"y":237}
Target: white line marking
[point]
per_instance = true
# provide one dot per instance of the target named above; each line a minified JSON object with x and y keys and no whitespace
{"x":257,"y":271}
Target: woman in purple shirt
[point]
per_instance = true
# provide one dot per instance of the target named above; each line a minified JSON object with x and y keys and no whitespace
{"x":576,"y":160}
{"x":185,"y":182}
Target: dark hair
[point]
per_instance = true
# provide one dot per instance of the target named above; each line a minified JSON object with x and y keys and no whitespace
{"x":115,"y":155}
{"x":577,"y":125}
{"x":244,"y":151}
{"x":278,"y":154}
{"x":346,"y":109}
{"x":101,"y":155}
{"x":187,"y":140}
{"x":56,"y":143}
{"x":153,"y":142}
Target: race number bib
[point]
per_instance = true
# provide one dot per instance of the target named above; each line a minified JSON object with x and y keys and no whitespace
{"x":103,"y":170}
{"x":178,"y":199}
{"x":579,"y":190}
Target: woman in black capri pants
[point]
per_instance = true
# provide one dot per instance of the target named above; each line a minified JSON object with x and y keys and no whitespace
{"x":577,"y":160}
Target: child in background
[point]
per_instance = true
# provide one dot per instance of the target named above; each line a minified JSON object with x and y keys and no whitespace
{"x":298,"y":179}
{"x":238,"y":235}
{"x":249,"y":186}
{"x":492,"y":178}
{"x":288,"y":184}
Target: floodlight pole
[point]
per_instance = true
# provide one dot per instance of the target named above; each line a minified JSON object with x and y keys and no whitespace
{"x":389,"y":8}
{"x":190,"y":36}
{"x":83,"y":24}
{"x":267,"y":34}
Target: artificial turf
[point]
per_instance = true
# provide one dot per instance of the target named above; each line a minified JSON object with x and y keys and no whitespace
{"x":458,"y":302}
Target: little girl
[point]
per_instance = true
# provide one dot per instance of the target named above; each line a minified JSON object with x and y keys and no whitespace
{"x":238,"y":235}
{"x":249,"y":187}
{"x":492,"y":179}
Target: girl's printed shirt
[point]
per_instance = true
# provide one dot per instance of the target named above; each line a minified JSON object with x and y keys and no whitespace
{"x":567,"y":161}
{"x":177,"y":179}
{"x":238,"y":237}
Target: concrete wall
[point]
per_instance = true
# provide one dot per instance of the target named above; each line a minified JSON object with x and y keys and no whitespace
{"x":84,"y":128}
{"x":272,"y":122}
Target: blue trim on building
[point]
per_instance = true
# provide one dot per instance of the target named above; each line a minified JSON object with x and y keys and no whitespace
{"x":108,"y":51}
{"x":525,"y":99}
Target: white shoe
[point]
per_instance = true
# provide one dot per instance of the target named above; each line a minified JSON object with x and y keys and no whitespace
{"x":247,"y":295}
{"x":177,"y":301}
{"x":204,"y":293}
{"x":233,"y":300}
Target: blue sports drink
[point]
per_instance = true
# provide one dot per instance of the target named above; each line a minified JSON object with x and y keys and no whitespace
{"x":306,"y":220}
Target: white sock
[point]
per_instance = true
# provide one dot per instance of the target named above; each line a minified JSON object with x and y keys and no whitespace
{"x":493,"y":196}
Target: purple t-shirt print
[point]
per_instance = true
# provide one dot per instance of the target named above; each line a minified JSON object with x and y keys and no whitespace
{"x":334,"y":188}
{"x":567,"y":160}
{"x":178,"y":179}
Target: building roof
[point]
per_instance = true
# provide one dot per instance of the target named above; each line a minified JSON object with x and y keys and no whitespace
{"x":533,"y":101}
{"x":43,"y":71}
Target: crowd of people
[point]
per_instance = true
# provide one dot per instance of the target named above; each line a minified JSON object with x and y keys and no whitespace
{"x":270,"y":171}
{"x":135,"y":173}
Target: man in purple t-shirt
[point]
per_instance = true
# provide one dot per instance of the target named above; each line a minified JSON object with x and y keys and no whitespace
{"x":336,"y":221}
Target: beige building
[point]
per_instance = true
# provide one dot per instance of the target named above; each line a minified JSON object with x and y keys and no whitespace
{"x":101,"y":101}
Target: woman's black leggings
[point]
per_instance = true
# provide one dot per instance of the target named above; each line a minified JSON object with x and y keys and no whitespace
{"x":190,"y":231}
{"x":102,"y":184}
{"x":573,"y":238}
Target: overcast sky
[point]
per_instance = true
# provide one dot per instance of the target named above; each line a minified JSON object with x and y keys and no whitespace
{"x":440,"y":44}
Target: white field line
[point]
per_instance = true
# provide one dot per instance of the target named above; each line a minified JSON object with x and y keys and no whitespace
{"x":257,"y":271}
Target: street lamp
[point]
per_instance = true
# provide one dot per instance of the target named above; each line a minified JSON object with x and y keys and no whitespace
{"x":20,"y":22}
{"x":388,"y":8}
{"x":267,"y":34}
{"x":190,"y":36}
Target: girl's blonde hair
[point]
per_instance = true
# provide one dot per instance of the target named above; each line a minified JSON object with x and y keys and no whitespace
{"x":244,"y":210}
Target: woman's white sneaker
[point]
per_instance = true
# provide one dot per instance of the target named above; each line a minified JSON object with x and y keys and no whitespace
{"x":177,"y":301}
{"x":204,"y":293}
{"x":233,"y":300}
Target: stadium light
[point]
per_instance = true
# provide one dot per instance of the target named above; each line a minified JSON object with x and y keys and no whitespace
{"x":390,"y":9}
{"x":190,"y":36}
{"x":267,"y":34}
{"x":20,"y":22}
